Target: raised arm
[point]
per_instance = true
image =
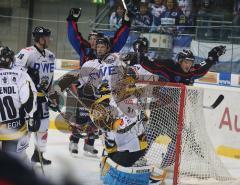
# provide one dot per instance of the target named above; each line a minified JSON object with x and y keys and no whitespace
{"x":74,"y":36}
{"x":201,"y":69}
{"x":121,"y":35}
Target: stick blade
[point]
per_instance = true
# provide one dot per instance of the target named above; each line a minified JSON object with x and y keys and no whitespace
{"x":218,"y":101}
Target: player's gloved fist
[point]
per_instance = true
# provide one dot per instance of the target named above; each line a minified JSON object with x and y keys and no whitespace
{"x":216,"y":52}
{"x":34,"y":122}
{"x":74,"y":14}
{"x":103,"y":88}
{"x":127,"y":17}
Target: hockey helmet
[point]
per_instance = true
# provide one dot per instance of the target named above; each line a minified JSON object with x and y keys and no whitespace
{"x":39,"y":32}
{"x":6,"y":57}
{"x":141,"y":44}
{"x":94,"y":33}
{"x":103,"y":40}
{"x":185,"y":55}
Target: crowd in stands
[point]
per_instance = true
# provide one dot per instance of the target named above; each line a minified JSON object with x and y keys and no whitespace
{"x":175,"y":16}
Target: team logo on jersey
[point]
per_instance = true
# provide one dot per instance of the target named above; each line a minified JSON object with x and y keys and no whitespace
{"x":14,"y":79}
{"x":44,"y":82}
{"x":110,"y":59}
{"x":4,"y":80}
{"x":177,"y":78}
{"x":51,"y":57}
{"x":174,"y":14}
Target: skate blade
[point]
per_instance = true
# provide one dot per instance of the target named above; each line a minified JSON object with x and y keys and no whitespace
{"x":74,"y":155}
{"x":89,"y":154}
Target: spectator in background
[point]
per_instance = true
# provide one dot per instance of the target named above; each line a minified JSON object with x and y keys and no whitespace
{"x":236,"y":18}
{"x":157,"y":9}
{"x":115,"y":20}
{"x":186,"y":6}
{"x":172,"y":18}
{"x":144,"y":18}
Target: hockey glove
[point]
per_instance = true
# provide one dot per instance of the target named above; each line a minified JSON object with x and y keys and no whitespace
{"x":127,"y":18}
{"x":34,"y":123}
{"x":103,"y":88}
{"x":216,"y":52}
{"x":67,"y":80}
{"x":53,"y":101}
{"x":34,"y":74}
{"x":74,"y":14}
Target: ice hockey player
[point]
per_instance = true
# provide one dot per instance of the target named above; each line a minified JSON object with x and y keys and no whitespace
{"x":91,"y":77}
{"x":125,"y":143}
{"x":140,"y":49}
{"x":87,"y":49}
{"x":38,"y":61}
{"x":17,"y":101}
{"x":184,"y":70}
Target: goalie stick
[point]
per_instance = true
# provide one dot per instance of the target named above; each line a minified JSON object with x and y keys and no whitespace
{"x":215,"y":103}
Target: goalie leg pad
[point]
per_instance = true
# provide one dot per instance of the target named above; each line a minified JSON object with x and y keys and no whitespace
{"x":114,"y":174}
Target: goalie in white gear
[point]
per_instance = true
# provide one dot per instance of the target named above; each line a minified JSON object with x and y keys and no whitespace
{"x":17,"y":100}
{"x":39,"y":64}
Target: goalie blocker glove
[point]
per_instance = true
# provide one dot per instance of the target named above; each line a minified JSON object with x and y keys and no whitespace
{"x":216,"y":52}
{"x":74,"y":14}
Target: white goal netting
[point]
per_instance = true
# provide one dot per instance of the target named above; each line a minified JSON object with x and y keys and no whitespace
{"x":177,"y":136}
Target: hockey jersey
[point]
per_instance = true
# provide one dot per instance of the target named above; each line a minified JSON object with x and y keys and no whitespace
{"x":96,"y":72}
{"x":42,"y":63}
{"x":17,"y":98}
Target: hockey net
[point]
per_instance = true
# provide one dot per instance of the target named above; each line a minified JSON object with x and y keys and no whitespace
{"x":176,"y":134}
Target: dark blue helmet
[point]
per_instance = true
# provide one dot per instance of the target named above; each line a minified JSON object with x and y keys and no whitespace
{"x":39,"y":32}
{"x":103,"y":40}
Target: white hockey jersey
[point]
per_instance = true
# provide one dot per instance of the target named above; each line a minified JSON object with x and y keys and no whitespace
{"x":31,"y":57}
{"x":17,"y":97}
{"x":110,"y":70}
{"x":126,"y":136}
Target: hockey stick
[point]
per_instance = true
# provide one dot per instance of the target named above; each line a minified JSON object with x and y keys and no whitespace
{"x":41,"y":161}
{"x":124,"y":5}
{"x":72,"y":125}
{"x":216,"y":103}
{"x":76,"y":97}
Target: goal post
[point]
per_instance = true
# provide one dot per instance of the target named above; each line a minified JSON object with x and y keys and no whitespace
{"x":177,"y":136}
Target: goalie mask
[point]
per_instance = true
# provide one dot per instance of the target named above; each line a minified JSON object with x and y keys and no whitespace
{"x":102,"y":114}
{"x":6,"y":57}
